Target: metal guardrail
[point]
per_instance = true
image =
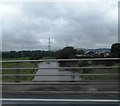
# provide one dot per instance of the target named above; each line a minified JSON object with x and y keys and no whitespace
{"x":108,"y":67}
{"x":107,"y":74}
{"x":63,"y":82}
{"x":62,"y":101}
{"x":58,"y":60}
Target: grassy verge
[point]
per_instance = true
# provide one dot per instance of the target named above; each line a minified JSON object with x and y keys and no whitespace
{"x":21,"y":58}
{"x":16,"y":65}
{"x":101,"y":71}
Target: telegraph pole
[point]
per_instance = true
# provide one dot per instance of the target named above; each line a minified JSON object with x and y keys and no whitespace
{"x":49,"y":45}
{"x":22,"y":54}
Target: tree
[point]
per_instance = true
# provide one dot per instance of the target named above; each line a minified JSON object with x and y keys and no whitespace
{"x":115,"y":50}
{"x":66,"y":53}
{"x":80,"y":51}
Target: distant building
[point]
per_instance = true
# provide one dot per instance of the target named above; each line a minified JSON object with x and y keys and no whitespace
{"x":80,"y":55}
{"x":106,"y":54}
{"x":90,"y":54}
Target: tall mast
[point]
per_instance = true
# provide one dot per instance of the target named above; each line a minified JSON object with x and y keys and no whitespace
{"x":49,"y":44}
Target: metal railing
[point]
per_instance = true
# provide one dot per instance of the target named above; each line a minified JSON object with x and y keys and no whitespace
{"x":54,"y":60}
{"x":61,"y":68}
{"x":94,"y":83}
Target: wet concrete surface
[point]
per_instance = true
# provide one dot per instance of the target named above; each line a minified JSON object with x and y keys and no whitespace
{"x":54,"y":72}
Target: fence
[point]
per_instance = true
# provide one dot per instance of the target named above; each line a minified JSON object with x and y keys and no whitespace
{"x":84,"y":83}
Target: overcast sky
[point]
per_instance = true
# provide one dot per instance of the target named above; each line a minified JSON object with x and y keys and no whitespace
{"x":82,"y":25}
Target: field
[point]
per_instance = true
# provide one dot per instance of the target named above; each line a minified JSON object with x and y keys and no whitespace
{"x":16,"y":65}
{"x":101,"y":71}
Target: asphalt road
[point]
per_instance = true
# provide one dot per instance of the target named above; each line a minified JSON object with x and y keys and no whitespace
{"x":16,"y":94}
{"x":59,"y":103}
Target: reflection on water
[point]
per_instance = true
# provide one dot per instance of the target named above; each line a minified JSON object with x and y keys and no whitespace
{"x":73,"y":77}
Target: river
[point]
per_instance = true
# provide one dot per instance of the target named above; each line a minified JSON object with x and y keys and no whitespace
{"x":46,"y":72}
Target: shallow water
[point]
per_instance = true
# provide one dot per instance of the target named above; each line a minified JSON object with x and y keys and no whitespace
{"x":73,"y":77}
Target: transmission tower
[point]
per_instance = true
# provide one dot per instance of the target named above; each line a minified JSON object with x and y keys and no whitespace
{"x":49,"y":44}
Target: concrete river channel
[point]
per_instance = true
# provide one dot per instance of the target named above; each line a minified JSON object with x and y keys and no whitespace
{"x":57,"y":72}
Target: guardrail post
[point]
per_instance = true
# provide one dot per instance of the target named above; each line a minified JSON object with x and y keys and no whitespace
{"x":17,"y":72}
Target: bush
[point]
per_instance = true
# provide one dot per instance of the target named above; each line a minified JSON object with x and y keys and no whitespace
{"x":84,"y":64}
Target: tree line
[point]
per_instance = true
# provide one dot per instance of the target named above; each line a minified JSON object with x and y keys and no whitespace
{"x":65,"y":53}
{"x":37,"y":54}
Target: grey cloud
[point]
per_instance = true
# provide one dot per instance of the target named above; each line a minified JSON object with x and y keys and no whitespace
{"x":87,"y":26}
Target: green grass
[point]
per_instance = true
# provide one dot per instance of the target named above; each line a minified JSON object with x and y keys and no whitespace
{"x":21,"y":58}
{"x":16,"y":65}
{"x":101,"y":71}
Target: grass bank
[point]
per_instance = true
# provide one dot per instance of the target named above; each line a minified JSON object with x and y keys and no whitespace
{"x":16,"y":65}
{"x":99,"y":71}
{"x":94,"y":71}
